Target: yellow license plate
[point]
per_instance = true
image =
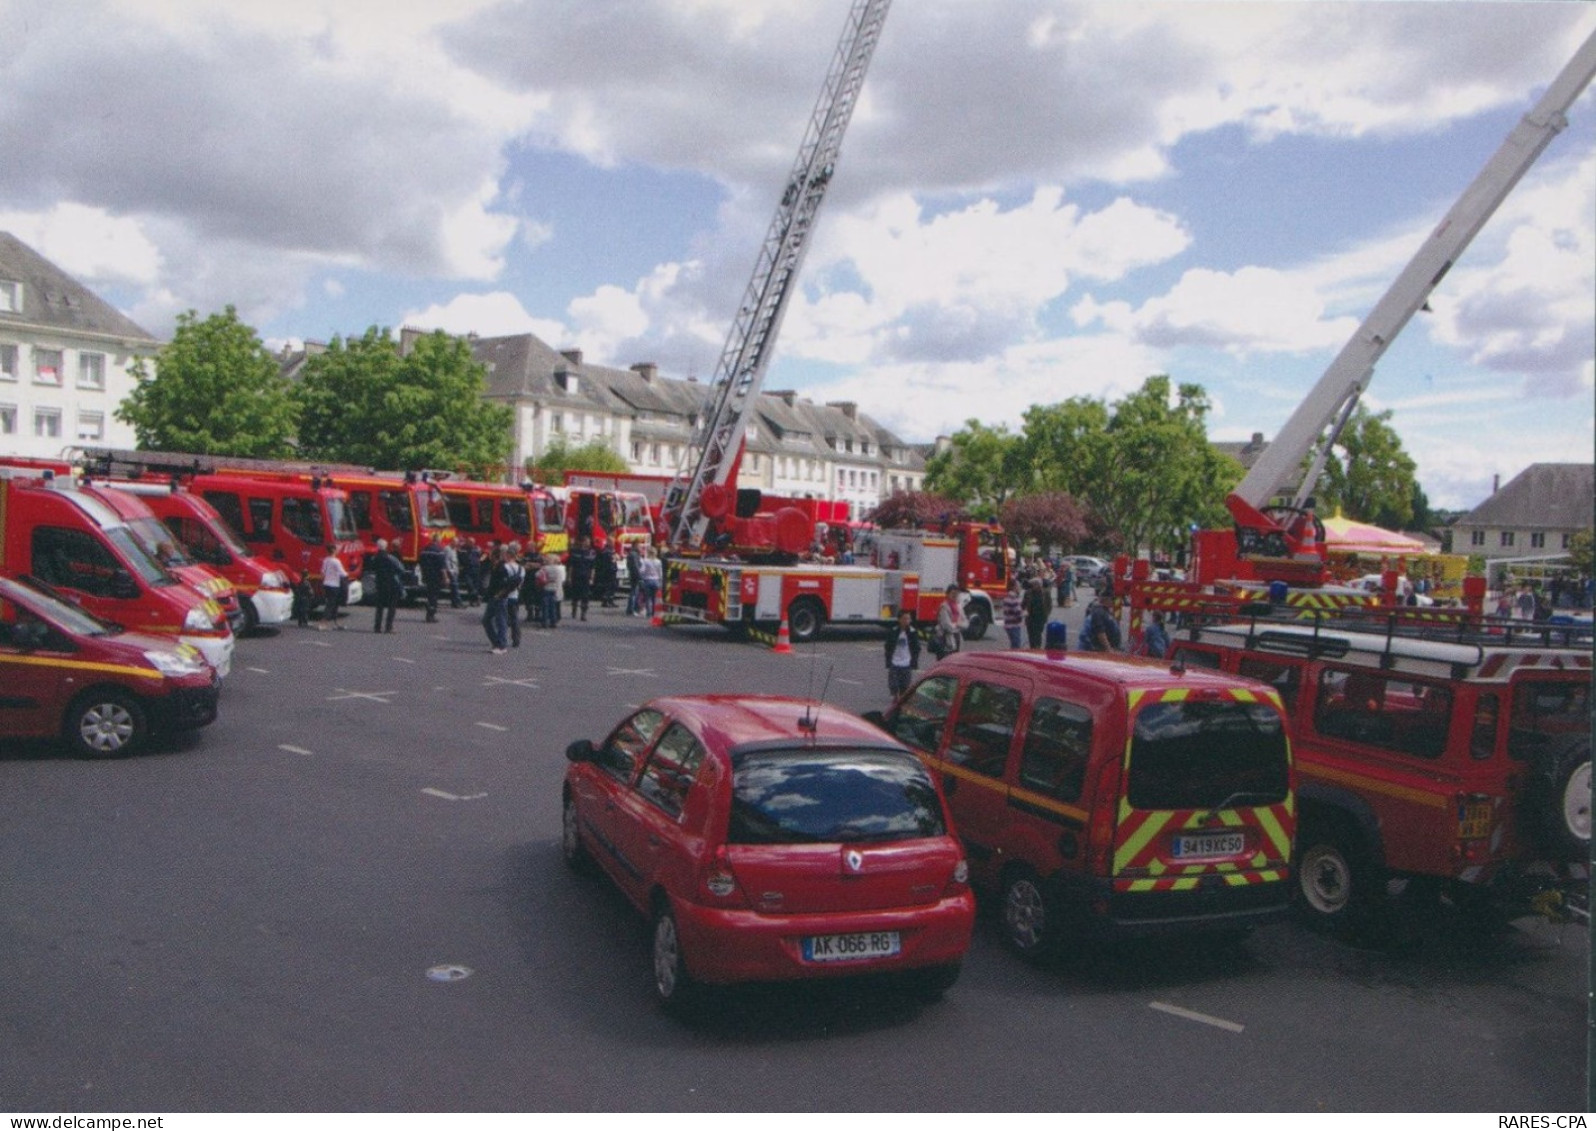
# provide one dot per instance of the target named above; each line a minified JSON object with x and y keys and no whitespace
{"x":1474,"y":820}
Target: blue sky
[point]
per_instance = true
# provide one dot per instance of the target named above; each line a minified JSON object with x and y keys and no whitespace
{"x":1036,"y":200}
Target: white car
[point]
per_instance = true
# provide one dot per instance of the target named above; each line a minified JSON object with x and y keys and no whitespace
{"x":1375,"y":583}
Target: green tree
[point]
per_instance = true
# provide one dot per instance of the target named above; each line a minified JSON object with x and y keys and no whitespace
{"x":216,"y":390}
{"x":560,"y":457}
{"x":363,"y":402}
{"x":1579,"y":552}
{"x":1368,"y":476}
{"x":982,"y":465}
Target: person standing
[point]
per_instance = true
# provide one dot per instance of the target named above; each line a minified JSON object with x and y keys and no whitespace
{"x":434,"y":565}
{"x":553,"y":588}
{"x":471,"y":571}
{"x":604,"y":577}
{"x":1100,"y":633}
{"x":903,"y":654}
{"x":650,"y":577}
{"x":389,"y":573}
{"x":495,"y":605}
{"x":580,"y":567}
{"x":451,"y":574}
{"x":634,"y":574}
{"x":1038,"y":605}
{"x":950,"y":623}
{"x":334,"y":586}
{"x":1065,"y":577}
{"x":512,"y":599}
{"x":1014,"y":612}
{"x":1155,"y":640}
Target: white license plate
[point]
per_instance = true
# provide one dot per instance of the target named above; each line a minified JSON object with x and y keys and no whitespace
{"x":851,"y":948}
{"x":1209,"y":844}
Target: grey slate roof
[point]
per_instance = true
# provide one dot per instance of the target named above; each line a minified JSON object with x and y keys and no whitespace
{"x":1552,"y":495}
{"x":51,"y":298}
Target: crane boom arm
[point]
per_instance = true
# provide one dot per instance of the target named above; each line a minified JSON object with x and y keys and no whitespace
{"x":1336,"y":393}
{"x":713,"y":454}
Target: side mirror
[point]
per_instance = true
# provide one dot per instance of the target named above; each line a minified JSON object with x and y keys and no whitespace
{"x":123,"y":587}
{"x":581,"y":750}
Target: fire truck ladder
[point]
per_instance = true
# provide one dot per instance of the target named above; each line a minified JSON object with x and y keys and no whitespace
{"x":712,"y":456}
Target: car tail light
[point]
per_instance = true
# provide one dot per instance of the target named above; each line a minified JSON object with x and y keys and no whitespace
{"x":1100,"y":825}
{"x":719,"y":881}
{"x":959,"y":880}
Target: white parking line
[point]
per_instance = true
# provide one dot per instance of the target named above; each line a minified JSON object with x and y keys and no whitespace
{"x":402,"y":660}
{"x":262,"y":671}
{"x":294,"y":749}
{"x":492,"y":726}
{"x":851,"y":682}
{"x":1189,"y":1015}
{"x":453,"y":796}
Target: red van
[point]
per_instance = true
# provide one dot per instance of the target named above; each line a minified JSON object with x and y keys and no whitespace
{"x":264,"y":592}
{"x":100,"y":689}
{"x":80,"y":547}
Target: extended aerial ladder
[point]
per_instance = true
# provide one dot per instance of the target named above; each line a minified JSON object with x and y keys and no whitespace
{"x":700,"y":491}
{"x":1287,"y":533}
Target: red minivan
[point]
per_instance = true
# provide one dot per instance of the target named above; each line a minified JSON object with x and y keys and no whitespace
{"x":771,"y":839}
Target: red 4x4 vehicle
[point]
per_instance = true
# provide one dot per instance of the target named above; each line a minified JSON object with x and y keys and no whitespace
{"x":1106,"y":796}
{"x":1453,"y":755}
{"x":770,"y":839}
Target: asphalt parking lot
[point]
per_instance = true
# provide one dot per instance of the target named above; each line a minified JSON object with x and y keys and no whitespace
{"x":347,"y":895}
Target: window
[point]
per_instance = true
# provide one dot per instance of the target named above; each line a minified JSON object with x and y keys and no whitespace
{"x":984,"y":728}
{"x":227,"y":505}
{"x":8,"y":420}
{"x":91,"y":371}
{"x":396,"y":509}
{"x":637,"y":451}
{"x":1538,"y":540}
{"x":46,"y":367}
{"x":47,"y":423}
{"x":8,"y":362}
{"x":620,"y":752}
{"x":557,"y":422}
{"x":302,"y":519}
{"x":919,"y":719}
{"x":653,"y":454}
{"x":1507,"y":538}
{"x":1286,"y":678}
{"x":360,"y":509}
{"x":10,"y":297}
{"x":1565,"y":540}
{"x":809,"y":796}
{"x":1203,"y":754}
{"x":1476,"y":538}
{"x":71,"y":559}
{"x":1376,"y":710}
{"x":1482,"y":739}
{"x":201,"y":540}
{"x":1058,"y":743}
{"x":260,"y":519}
{"x":671,"y":769}
{"x":91,"y":425}
{"x":1543,"y":711}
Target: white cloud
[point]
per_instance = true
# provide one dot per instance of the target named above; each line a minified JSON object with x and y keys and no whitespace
{"x":88,"y":243}
{"x":493,"y":314}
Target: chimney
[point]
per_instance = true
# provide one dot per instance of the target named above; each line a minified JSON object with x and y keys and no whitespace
{"x":647,"y":370}
{"x":847,"y":408}
{"x":1496,"y":483}
{"x":573,"y":356}
{"x":786,"y":395}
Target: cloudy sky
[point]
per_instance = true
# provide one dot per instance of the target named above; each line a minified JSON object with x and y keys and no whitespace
{"x":1036,"y":199}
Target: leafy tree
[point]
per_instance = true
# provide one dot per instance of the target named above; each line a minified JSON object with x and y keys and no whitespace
{"x":1051,"y":519}
{"x":983,"y":465}
{"x":362,"y":402}
{"x":216,"y":390}
{"x":559,"y":457}
{"x":1579,"y":552}
{"x":916,"y":508}
{"x":1368,"y":475}
{"x":1065,"y":446}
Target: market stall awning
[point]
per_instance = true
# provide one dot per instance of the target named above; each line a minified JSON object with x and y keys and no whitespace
{"x":1344,"y":535}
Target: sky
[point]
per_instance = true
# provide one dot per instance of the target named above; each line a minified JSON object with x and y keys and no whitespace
{"x":1035,"y":200}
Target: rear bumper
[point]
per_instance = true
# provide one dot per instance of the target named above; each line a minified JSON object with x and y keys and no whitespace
{"x":722,"y":946}
{"x":1094,"y":910}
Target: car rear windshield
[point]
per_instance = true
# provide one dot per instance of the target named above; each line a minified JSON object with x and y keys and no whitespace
{"x":827,"y":796}
{"x":1206,"y":754}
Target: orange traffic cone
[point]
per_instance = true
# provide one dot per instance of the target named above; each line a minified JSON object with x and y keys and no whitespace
{"x":783,"y":640}
{"x":659,"y":619}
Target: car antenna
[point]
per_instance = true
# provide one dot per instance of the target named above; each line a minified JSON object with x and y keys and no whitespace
{"x":808,"y":722}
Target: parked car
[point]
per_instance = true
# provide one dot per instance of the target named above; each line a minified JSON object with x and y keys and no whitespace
{"x":771,"y":839}
{"x":1102,"y":796}
{"x":1089,"y":571}
{"x":99,"y":688}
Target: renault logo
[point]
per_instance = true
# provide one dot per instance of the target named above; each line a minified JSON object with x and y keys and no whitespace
{"x":853,"y":859}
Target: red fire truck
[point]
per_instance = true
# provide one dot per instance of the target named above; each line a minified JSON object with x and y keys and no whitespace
{"x":531,"y":514}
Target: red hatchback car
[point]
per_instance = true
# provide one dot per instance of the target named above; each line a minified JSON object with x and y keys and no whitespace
{"x":771,"y":839}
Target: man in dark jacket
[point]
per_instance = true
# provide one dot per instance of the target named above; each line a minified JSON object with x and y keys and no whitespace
{"x":579,"y":571}
{"x":604,"y":577}
{"x":903,"y":653}
{"x":634,"y":570}
{"x":389,"y":573}
{"x":434,"y":565}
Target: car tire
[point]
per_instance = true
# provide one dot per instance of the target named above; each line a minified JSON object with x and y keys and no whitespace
{"x":572,"y":850}
{"x":105,"y":723}
{"x":251,"y":615}
{"x":931,"y":984}
{"x":805,"y":619}
{"x":1338,"y":889}
{"x":1558,"y":799}
{"x":1030,"y":926}
{"x":673,"y":986}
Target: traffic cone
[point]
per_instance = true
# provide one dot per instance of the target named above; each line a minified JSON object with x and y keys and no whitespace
{"x":783,"y":640}
{"x":659,"y":619}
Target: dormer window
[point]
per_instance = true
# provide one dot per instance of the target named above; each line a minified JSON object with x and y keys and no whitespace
{"x":10,"y":297}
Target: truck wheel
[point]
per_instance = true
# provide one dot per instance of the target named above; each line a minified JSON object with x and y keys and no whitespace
{"x":104,"y":724}
{"x":1336,"y":886}
{"x":805,"y":618}
{"x":1558,"y":800}
{"x":1029,"y":925}
{"x":977,"y":618}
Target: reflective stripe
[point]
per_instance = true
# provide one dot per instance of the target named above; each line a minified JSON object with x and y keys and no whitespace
{"x":82,"y":665}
